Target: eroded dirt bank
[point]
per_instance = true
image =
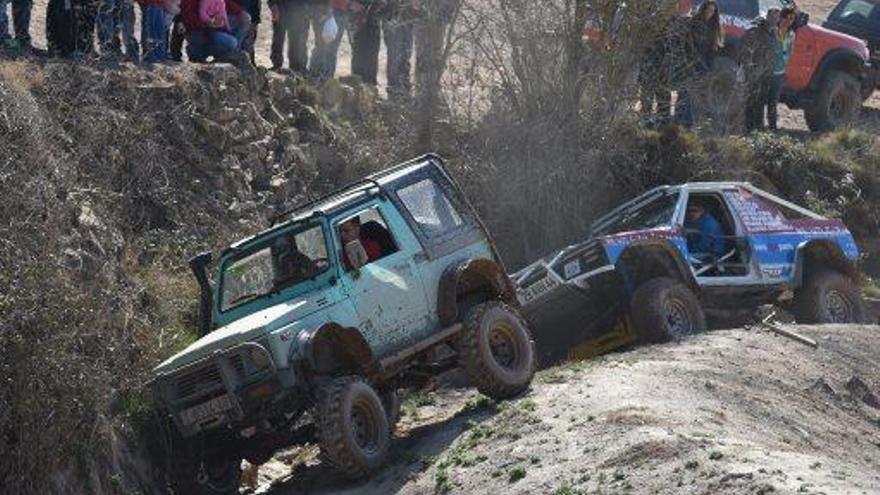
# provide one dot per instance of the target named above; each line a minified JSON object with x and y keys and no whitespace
{"x":734,"y":412}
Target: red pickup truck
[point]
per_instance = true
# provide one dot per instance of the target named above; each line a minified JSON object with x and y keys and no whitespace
{"x":829,"y":73}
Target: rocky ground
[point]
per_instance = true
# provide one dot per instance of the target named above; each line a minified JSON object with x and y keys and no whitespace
{"x":734,"y":412}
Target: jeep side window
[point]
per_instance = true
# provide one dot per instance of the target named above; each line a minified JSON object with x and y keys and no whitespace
{"x":284,"y":261}
{"x":370,"y":228}
{"x":430,"y":207}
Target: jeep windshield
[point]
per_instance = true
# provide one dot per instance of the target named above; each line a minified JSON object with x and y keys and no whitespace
{"x":652,"y":211}
{"x":278,"y":262}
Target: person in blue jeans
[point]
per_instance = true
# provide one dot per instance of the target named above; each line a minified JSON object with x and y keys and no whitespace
{"x":154,"y":36}
{"x":205,"y":41}
{"x":115,"y":17}
{"x":782,"y":46}
{"x":21,"y":21}
{"x":705,"y":237}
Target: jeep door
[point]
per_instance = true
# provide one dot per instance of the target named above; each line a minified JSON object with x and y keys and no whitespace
{"x":770,"y":234}
{"x":386,"y":292}
{"x":446,"y":228}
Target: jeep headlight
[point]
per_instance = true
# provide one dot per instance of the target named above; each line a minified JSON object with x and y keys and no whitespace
{"x":260,"y":357}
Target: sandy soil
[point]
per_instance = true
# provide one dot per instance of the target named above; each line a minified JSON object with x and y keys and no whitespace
{"x":733,"y":412}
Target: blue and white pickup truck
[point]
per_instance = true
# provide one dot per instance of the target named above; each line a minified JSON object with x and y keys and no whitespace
{"x":636,"y":279}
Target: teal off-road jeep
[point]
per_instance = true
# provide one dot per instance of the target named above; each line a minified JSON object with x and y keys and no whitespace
{"x":317,"y":322}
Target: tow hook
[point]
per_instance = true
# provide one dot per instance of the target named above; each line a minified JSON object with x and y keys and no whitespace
{"x":202,"y":475}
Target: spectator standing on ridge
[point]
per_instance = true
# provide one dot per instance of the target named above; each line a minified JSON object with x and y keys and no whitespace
{"x":654,"y":79}
{"x":116,"y":17}
{"x":782,"y":46}
{"x":367,"y":38}
{"x":325,"y":53}
{"x":291,"y":19}
{"x":757,"y":57}
{"x":154,"y":36}
{"x":21,"y":22}
{"x":706,"y":37}
{"x":70,"y":27}
{"x":430,"y":37}
{"x":398,"y":34}
{"x":254,"y":11}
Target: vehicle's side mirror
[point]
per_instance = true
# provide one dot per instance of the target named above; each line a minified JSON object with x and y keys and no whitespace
{"x":356,"y":254}
{"x":800,"y":20}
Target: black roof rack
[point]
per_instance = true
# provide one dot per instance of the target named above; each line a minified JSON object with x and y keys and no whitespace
{"x":371,"y":180}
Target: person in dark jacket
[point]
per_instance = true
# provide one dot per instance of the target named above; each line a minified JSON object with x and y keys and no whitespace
{"x":21,"y":22}
{"x":366,"y":21}
{"x":655,"y":78}
{"x":116,"y":17}
{"x":70,"y":27}
{"x":756,"y":57}
{"x":705,"y":38}
{"x":398,"y":30}
{"x":291,"y":19}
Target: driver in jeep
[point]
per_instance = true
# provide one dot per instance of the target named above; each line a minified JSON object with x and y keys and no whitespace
{"x":705,"y":237}
{"x":290,"y":264}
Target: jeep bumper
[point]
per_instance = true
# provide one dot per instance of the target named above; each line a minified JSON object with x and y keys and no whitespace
{"x":231,"y":387}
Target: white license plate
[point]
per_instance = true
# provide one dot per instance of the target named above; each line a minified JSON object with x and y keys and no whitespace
{"x":537,"y":289}
{"x":206,"y":410}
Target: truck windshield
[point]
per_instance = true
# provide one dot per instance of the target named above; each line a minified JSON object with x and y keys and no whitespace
{"x":281,"y":262}
{"x":655,"y":213}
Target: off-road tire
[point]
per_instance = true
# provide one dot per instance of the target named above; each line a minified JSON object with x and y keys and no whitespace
{"x":664,"y":309}
{"x":352,"y":426}
{"x":223,"y":477}
{"x":496,"y":350}
{"x":391,"y":403}
{"x":829,"y":296}
{"x":837,"y":102}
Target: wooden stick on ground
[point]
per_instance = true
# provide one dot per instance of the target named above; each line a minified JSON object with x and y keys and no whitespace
{"x":786,"y":333}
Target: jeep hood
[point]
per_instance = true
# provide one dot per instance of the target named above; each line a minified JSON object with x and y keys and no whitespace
{"x":246,"y":329}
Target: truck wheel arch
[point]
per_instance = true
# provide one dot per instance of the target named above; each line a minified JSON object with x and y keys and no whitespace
{"x":333,"y":348}
{"x":824,"y":253}
{"x":842,"y":59}
{"x":474,"y":277}
{"x":644,"y":261}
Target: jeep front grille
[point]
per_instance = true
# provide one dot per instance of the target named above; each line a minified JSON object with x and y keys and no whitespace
{"x":580,"y":259}
{"x":206,"y":378}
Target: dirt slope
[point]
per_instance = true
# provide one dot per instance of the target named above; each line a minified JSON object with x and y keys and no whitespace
{"x":734,"y":412}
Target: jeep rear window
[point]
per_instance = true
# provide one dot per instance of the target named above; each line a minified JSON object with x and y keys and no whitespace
{"x":429,"y":207}
{"x":284,"y":261}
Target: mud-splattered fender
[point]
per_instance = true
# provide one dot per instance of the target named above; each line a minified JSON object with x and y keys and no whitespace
{"x":471,"y":276}
{"x":332,"y":347}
